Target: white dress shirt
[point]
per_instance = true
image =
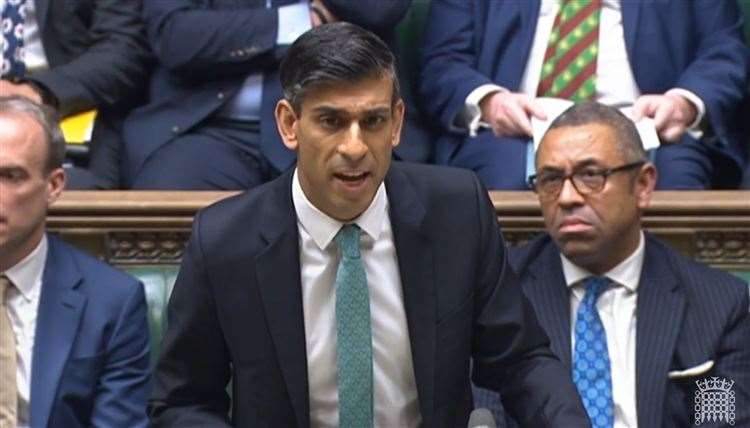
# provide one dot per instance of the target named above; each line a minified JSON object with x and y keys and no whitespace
{"x":22,"y":307}
{"x":394,"y":387}
{"x":616,"y":307}
{"x":615,"y":83}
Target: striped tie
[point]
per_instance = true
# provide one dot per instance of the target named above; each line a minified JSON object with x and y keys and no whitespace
{"x":569,"y":69}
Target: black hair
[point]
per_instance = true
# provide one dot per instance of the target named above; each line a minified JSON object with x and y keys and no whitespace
{"x":335,"y":52}
{"x":628,"y":140}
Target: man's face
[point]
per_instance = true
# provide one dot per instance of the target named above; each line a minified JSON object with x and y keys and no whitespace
{"x":601,"y":229}
{"x":344,"y":136}
{"x":26,"y":188}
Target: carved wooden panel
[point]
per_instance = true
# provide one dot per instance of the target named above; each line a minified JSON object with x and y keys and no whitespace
{"x":127,"y":228}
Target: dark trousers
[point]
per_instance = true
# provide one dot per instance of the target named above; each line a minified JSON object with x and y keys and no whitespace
{"x":217,"y":155}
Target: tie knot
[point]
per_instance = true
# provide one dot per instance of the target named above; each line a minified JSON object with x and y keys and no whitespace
{"x":595,"y":286}
{"x":5,"y":285}
{"x":347,"y":240}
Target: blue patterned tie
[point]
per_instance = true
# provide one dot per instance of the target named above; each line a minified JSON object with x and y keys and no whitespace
{"x":354,"y":335}
{"x":591,"y":369}
{"x":13,"y":16}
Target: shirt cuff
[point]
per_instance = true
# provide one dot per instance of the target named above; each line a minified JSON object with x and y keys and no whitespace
{"x":471,"y":114}
{"x":294,"y":20}
{"x":700,"y":109}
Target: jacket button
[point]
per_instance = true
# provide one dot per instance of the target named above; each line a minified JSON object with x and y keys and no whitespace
{"x":175,"y":129}
{"x":220,"y":95}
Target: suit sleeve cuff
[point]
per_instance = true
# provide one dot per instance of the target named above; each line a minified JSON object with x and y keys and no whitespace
{"x":294,"y":20}
{"x":700,"y":108}
{"x":471,"y":115}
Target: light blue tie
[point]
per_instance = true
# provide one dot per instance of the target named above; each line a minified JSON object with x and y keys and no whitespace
{"x":591,"y":369}
{"x":354,"y":335}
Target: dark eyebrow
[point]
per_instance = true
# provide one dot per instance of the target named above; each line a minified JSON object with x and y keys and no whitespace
{"x":324,"y":109}
{"x":380,"y":110}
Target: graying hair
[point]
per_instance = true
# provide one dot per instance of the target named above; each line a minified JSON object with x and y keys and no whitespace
{"x":47,"y":118}
{"x":628,"y":142}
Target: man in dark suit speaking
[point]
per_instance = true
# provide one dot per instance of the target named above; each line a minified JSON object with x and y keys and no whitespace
{"x":350,"y":291}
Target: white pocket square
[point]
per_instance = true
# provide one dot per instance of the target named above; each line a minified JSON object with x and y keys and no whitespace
{"x":692,"y":371}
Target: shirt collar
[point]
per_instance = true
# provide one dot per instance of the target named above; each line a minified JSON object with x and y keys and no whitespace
{"x":26,"y":275}
{"x":627,"y":273}
{"x":323,"y":228}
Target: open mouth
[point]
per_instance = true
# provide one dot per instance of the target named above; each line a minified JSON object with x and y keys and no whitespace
{"x":352,"y":181}
{"x":351,"y":177}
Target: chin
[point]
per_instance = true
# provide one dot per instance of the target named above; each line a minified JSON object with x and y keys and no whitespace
{"x":578,"y":251}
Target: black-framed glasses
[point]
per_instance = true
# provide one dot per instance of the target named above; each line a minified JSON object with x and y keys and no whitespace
{"x":586,"y":180}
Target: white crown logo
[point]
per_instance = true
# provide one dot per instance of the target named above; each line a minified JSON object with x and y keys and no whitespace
{"x":714,"y":384}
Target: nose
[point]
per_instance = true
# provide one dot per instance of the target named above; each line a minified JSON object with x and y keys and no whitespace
{"x":353,"y":147}
{"x":569,"y":195}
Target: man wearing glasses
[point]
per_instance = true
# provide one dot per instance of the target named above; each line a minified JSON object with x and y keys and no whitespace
{"x":595,"y":273}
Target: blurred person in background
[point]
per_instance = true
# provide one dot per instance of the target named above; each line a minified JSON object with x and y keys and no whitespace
{"x":79,"y":56}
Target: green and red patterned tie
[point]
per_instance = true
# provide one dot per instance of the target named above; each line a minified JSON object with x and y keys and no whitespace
{"x":569,"y":69}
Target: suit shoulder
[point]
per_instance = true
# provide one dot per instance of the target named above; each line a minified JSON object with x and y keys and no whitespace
{"x":96,"y":271}
{"x":437,"y":180}
{"x":523,"y":256}
{"x":700,"y":278}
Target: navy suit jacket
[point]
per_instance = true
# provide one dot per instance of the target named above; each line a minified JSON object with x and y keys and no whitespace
{"x":90,"y":364}
{"x":206,"y":50}
{"x":686,"y":314}
{"x":696,"y":45}
{"x":236,"y":312}
{"x":97,"y":53}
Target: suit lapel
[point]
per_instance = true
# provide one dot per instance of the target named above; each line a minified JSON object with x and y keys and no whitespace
{"x":548,"y":292}
{"x":58,"y":318}
{"x":415,"y":260}
{"x":278,"y":275}
{"x":659,"y":317}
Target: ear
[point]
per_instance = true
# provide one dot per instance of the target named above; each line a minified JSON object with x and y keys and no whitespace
{"x":286,"y":123}
{"x":55,"y":185}
{"x":644,"y":185}
{"x":399,"y":110}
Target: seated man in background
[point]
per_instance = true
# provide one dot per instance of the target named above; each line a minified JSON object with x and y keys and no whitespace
{"x":78,"y":56}
{"x":332,"y":296}
{"x":640,"y":327}
{"x":683,"y":64}
{"x":209,"y":123}
{"x":74,"y":346}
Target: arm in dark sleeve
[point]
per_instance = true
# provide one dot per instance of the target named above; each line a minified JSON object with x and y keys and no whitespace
{"x":125,"y":381}
{"x":192,"y":41}
{"x":448,"y":72}
{"x":718,"y":73}
{"x":112,"y":70}
{"x":194,"y":368}
{"x":511,"y":351}
{"x":374,"y":15}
